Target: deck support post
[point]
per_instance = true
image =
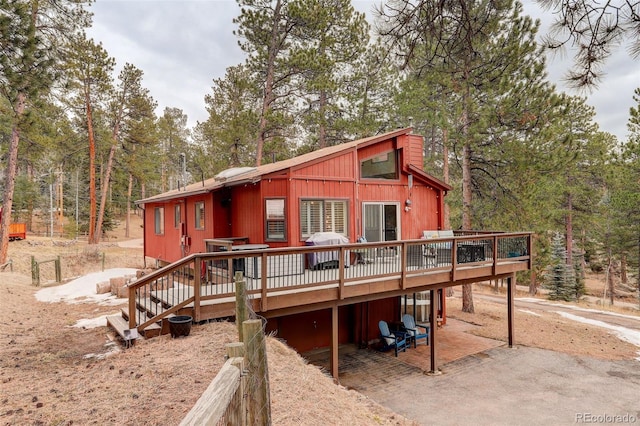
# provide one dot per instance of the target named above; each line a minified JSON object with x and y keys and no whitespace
{"x":242,"y":313}
{"x":433,"y":326}
{"x":510,"y":293}
{"x":334,"y":342}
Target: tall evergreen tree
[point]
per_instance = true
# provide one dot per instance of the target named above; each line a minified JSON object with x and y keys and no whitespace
{"x":31,"y":33}
{"x":328,"y":40}
{"x":558,"y":278}
{"x":264,"y":30}
{"x":89,"y":72}
{"x":227,"y":137}
{"x":173,"y":137}
{"x":130,"y":101}
{"x":488,"y":64}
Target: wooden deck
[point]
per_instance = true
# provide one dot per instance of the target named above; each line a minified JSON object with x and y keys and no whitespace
{"x":301,"y":279}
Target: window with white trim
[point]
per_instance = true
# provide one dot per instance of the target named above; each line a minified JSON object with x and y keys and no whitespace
{"x":158,"y":219}
{"x":323,"y":216}
{"x":199,"y":219}
{"x":275,"y":218}
{"x":177,"y":216}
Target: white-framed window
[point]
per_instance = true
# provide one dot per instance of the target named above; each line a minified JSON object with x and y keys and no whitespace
{"x":158,"y":220}
{"x":199,"y":215}
{"x":177,"y":217}
{"x":275,"y":219}
{"x":323,"y":216}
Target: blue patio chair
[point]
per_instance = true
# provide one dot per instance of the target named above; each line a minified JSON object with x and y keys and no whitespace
{"x":414,"y":331}
{"x":396,"y":340}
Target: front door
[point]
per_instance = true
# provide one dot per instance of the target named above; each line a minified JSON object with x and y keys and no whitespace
{"x":381,"y":221}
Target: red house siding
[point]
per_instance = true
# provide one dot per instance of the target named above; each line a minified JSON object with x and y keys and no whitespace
{"x":247,"y":212}
{"x":235,"y":208}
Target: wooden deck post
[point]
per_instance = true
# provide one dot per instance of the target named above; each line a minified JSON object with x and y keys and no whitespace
{"x":241,"y":304}
{"x":433,"y":326}
{"x":197,"y":289}
{"x":256,"y":352}
{"x":510,"y":293}
{"x":334,"y":342}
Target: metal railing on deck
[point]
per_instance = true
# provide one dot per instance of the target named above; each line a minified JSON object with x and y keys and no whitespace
{"x":206,"y":278}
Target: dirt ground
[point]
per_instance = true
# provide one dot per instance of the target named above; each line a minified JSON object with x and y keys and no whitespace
{"x":52,"y":373}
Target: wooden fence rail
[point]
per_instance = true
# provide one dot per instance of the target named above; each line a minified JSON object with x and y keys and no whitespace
{"x":223,"y":401}
{"x":239,"y":394}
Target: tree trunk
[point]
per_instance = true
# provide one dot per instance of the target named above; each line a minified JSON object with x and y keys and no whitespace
{"x":446,"y":216}
{"x":92,"y":173}
{"x":10,"y":177}
{"x":322,"y":127}
{"x":268,"y":98}
{"x":105,"y":191}
{"x":533,"y":285}
{"x":623,"y":269}
{"x":467,"y":290}
{"x":569,"y":230}
{"x":610,"y":284}
{"x":127,"y":224}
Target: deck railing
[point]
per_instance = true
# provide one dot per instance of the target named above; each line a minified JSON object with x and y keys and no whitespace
{"x":201,"y":280}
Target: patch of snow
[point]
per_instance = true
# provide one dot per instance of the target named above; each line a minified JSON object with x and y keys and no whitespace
{"x":83,"y":289}
{"x":137,"y":243}
{"x":530,"y":312}
{"x":576,"y":308}
{"x":100,"y":321}
{"x":112,"y":348}
{"x":623,"y":333}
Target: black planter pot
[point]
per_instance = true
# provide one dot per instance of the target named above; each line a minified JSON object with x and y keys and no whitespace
{"x":180,"y":325}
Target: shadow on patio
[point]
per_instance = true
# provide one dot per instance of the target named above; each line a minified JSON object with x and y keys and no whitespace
{"x":361,"y":369}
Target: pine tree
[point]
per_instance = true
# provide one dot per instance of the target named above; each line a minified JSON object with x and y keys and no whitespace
{"x":558,"y":275}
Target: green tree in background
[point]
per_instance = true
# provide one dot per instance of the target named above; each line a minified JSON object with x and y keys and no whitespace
{"x":31,"y":37}
{"x":90,"y":82}
{"x":595,"y":29}
{"x":173,"y":138}
{"x":328,"y":40}
{"x":264,"y":30}
{"x":482,"y":59}
{"x":227,"y":138}
{"x":559,"y":277}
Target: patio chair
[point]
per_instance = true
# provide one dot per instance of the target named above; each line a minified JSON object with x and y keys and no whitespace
{"x":414,"y":331}
{"x":396,"y":340}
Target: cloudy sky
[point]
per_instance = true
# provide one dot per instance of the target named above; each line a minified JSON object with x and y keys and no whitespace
{"x":182,"y":45}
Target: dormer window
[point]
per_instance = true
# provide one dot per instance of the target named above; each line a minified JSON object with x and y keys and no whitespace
{"x":382,"y":166}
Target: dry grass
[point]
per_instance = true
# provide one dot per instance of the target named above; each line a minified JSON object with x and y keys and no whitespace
{"x":54,"y":374}
{"x":546,"y":329}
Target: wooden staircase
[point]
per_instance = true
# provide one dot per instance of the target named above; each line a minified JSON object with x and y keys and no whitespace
{"x":147,"y":308}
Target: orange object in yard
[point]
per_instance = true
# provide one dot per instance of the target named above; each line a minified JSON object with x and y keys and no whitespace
{"x":17,"y":231}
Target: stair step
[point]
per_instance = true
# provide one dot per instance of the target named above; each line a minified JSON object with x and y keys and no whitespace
{"x":152,"y":330}
{"x":121,"y":326}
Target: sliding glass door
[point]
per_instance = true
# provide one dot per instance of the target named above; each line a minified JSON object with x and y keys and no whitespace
{"x":380,"y":221}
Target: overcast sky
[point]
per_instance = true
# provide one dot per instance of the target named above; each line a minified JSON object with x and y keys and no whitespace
{"x":182,"y":45}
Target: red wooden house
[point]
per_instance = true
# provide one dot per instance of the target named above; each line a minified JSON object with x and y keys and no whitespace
{"x":373,"y":187}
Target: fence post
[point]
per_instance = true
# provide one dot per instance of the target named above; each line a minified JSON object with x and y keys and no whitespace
{"x":35,"y":272}
{"x":236,"y":354}
{"x":258,"y":393}
{"x":58,"y":270}
{"x":241,"y":304}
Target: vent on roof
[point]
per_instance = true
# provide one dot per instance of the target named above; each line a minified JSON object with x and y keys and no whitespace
{"x":233,"y":172}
